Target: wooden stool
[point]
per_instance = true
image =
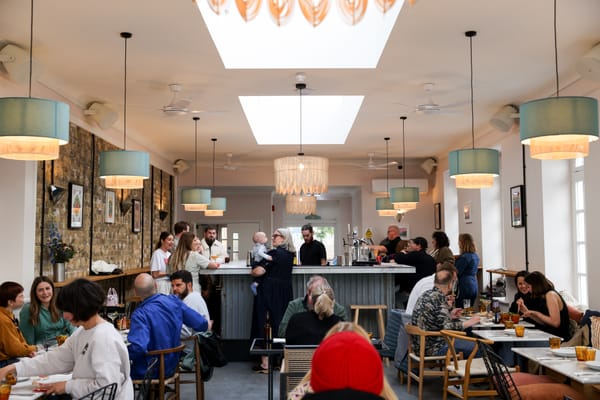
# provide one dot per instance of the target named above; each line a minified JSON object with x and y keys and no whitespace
{"x":378,"y":307}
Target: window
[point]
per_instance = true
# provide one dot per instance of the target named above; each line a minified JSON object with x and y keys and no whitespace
{"x":579,"y":231}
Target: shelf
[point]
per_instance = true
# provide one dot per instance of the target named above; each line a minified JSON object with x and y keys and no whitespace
{"x":126,"y":273}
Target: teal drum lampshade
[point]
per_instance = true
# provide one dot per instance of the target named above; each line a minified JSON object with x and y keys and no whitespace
{"x":474,"y":168}
{"x":559,"y":128}
{"x":32,"y":128}
{"x":384,"y":207}
{"x":195,"y":199}
{"x":124,"y":169}
{"x":216,"y":208}
{"x":404,"y":198}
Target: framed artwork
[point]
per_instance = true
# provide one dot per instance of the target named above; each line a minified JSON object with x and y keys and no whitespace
{"x":136,"y":225}
{"x":404,"y":232}
{"x":109,"y":207}
{"x":467,"y":212}
{"x":75,"y":206}
{"x":437,"y":216}
{"x":517,"y":206}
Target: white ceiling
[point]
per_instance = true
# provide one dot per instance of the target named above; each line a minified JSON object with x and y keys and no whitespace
{"x":77,"y":42}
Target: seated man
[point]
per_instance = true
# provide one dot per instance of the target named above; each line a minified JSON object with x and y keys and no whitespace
{"x":425,"y":284}
{"x":302,"y":304}
{"x":156,"y":324}
{"x":182,"y":286}
{"x":432,"y":313}
{"x":415,"y":255}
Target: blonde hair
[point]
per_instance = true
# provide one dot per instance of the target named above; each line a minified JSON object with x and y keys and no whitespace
{"x":323,"y":300}
{"x":387,"y":393}
{"x":178,"y":259}
{"x":466,"y":243}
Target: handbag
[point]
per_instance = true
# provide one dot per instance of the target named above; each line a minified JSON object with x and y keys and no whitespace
{"x":210,"y":349}
{"x":112,"y":298}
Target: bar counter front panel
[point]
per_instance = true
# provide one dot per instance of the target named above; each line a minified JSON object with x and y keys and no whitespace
{"x":352,"y":285}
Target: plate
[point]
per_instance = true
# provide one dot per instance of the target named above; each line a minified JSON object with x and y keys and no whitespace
{"x":564,"y":352}
{"x":510,"y":332}
{"x":593,"y":364}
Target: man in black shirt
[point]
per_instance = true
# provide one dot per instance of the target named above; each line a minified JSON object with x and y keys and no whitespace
{"x":312,"y":252}
{"x":415,"y":255}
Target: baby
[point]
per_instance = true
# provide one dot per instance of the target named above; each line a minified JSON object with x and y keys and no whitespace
{"x":259,"y":255}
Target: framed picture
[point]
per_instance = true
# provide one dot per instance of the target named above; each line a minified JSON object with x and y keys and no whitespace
{"x":404,"y":232}
{"x":517,"y":206}
{"x":136,"y":225}
{"x":75,"y":206}
{"x":467,"y":212}
{"x":109,"y":207}
{"x":437,"y":216}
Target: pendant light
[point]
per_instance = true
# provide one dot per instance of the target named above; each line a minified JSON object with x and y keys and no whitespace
{"x":299,"y":204}
{"x":196,"y":198}
{"x":383,"y":205}
{"x":218,"y":205}
{"x":559,"y":128}
{"x":32,"y":128}
{"x":124,"y":169}
{"x":473,"y":168}
{"x":404,"y":198}
{"x":301,"y":175}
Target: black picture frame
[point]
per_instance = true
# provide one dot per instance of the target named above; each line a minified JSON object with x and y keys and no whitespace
{"x":136,"y":219}
{"x":76,"y":193}
{"x":437,"y":216}
{"x":517,"y":206}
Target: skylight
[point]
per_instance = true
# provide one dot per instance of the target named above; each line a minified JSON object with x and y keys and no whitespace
{"x":325,"y":119}
{"x":261,"y":44}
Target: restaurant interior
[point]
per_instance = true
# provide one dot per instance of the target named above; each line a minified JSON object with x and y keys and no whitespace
{"x":333,"y":91}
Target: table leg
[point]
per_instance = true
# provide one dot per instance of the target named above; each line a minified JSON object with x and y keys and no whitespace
{"x":270,"y":380}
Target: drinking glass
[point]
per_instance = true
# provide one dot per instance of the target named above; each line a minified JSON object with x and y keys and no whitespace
{"x":519,"y":330}
{"x":554,"y":342}
{"x":112,"y":315}
{"x":5,"y":391}
{"x":580,"y":352}
{"x":467,"y":306}
{"x":590,"y":354}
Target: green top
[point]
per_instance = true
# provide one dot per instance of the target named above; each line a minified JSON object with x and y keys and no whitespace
{"x":45,"y":329}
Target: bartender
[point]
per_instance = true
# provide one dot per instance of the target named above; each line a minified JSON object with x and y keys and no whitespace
{"x":392,"y":244}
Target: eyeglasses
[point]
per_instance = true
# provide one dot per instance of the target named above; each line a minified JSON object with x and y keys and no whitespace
{"x":277,"y":234}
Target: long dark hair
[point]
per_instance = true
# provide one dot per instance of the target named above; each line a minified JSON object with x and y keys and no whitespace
{"x":35,"y":304}
{"x":540,"y":285}
{"x":441,"y":239}
{"x":163,"y":236}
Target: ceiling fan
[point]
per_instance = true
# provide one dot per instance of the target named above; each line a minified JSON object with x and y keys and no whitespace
{"x":372,"y":165}
{"x":230,"y":166}
{"x":177,"y":106}
{"x":430,"y":107}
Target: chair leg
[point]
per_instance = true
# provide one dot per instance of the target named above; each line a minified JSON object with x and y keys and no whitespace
{"x":380,"y":323}
{"x":401,"y":377}
{"x":356,"y":315}
{"x":408,"y":377}
{"x":421,"y":373}
{"x":445,"y":396}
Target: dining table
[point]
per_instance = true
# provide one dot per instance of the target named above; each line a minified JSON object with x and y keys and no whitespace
{"x":583,"y":375}
{"x":487,"y":324}
{"x":505,"y":340}
{"x":271,"y":349}
{"x":24,"y":389}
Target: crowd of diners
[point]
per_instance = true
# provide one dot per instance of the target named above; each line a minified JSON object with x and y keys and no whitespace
{"x":174,"y":307}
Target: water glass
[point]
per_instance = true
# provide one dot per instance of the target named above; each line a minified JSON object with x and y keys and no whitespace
{"x":554,"y":342}
{"x":580,"y":352}
{"x":467,"y":306}
{"x":519,"y":330}
{"x":590,"y":354}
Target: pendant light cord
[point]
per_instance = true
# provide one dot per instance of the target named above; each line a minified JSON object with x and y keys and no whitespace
{"x":125,"y":99}
{"x":403,"y":154}
{"x":555,"y":51}
{"x":214,"y":140}
{"x":301,"y":151}
{"x":31,"y":49}
{"x":470,"y":35}
{"x":387,"y":166}
{"x":196,"y":150}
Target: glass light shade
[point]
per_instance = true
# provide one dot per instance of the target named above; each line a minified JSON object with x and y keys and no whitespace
{"x":32,"y":128}
{"x":474,"y":168}
{"x":297,"y":204}
{"x":384,"y":207}
{"x":301,"y":175}
{"x":217,"y":207}
{"x":404,"y":198}
{"x":195,"y":199}
{"x":124,"y":169}
{"x":559,"y":128}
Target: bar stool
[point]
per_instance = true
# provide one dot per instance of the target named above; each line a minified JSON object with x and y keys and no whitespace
{"x":379,"y":307}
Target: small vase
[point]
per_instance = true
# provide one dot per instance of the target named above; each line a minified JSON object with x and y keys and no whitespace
{"x":58,"y":270}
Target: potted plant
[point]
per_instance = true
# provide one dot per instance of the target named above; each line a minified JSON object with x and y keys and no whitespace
{"x":59,"y":253}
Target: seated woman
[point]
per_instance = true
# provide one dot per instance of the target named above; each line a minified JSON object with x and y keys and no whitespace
{"x":95,"y":354}
{"x":309,"y":327}
{"x":550,"y":314}
{"x":41,"y":320}
{"x":12,"y":342}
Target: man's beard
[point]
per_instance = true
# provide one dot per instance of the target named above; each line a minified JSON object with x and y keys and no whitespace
{"x":184,"y":294}
{"x":209,"y":242}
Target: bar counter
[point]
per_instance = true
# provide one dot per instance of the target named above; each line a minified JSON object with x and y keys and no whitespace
{"x":351,"y":284}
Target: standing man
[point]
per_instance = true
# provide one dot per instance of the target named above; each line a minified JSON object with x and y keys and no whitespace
{"x":415,"y":255}
{"x":312,"y":252}
{"x":179,"y":228}
{"x":213,"y":250}
{"x":211,"y":247}
{"x":156,"y":324}
{"x":389,"y":245}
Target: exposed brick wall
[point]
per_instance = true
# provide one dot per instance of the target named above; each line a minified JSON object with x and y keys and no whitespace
{"x":97,"y":240}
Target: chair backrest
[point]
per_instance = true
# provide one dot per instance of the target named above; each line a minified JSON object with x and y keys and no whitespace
{"x":297,"y":361}
{"x":107,"y":392}
{"x":144,"y":388}
{"x":452,"y":356}
{"x":414,"y":331}
{"x":195,"y":368}
{"x":162,"y":373}
{"x":501,"y":378}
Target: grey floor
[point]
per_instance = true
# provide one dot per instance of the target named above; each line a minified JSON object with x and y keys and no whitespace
{"x":237,"y":381}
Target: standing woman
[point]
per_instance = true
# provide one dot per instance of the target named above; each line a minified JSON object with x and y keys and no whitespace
{"x":275,"y":291}
{"x":160,"y":261}
{"x":187,"y":258}
{"x":12,"y":342}
{"x":467,"y":265}
{"x":441,"y":248}
{"x":41,"y":320}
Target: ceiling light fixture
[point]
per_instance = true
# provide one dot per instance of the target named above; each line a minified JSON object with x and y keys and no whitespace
{"x":124,"y":169}
{"x":299,"y":204}
{"x":217,"y":205}
{"x":559,"y":128}
{"x":301,"y":175}
{"x":404,"y":198}
{"x":473,"y":168}
{"x":32,"y":128}
{"x":195,"y":198}
{"x":383,"y":205}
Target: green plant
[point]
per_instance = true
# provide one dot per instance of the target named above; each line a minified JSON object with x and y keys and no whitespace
{"x":59,"y":251}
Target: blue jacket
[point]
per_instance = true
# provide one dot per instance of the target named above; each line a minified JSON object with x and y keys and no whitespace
{"x":156,"y":324}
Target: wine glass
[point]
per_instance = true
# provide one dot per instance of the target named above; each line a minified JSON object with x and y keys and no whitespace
{"x":112,"y":316}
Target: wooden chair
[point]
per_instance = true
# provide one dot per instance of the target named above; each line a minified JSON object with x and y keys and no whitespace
{"x":296,"y":363}
{"x":107,"y":392}
{"x":501,"y":377}
{"x":425,"y":365}
{"x":463,"y":372}
{"x":196,"y":371}
{"x":161,"y":385}
{"x":379,"y":307}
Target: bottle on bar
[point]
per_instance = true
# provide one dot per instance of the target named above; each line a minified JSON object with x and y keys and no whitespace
{"x":496,"y":311}
{"x":268,"y":330}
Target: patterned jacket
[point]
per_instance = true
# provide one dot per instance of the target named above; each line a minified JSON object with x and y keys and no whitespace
{"x":432,"y":313}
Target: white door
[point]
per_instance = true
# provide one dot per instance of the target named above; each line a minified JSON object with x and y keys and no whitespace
{"x":239,"y":238}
